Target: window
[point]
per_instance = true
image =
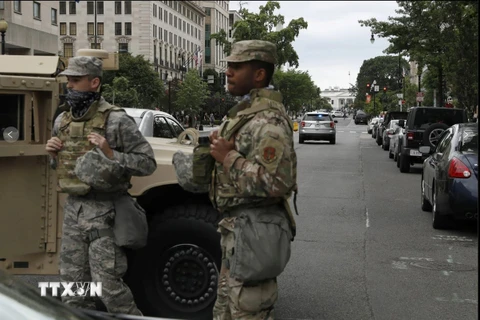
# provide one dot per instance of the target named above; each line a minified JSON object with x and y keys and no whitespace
{"x":68,"y":50}
{"x":444,"y":141}
{"x":469,"y":141}
{"x":170,"y":18}
{"x":63,"y":7}
{"x":54,"y":16}
{"x":118,"y":7}
{"x":317,"y":117}
{"x":175,"y":21}
{"x":123,"y":47}
{"x":184,"y":26}
{"x":175,"y":40}
{"x":90,"y":7}
{"x":90,"y":28}
{"x":99,"y":7}
{"x":170,"y":38}
{"x":160,"y":13}
{"x":12,"y":113}
{"x":165,"y":35}
{"x":72,"y":7}
{"x":94,"y":45}
{"x":161,"y":129}
{"x":17,"y":6}
{"x":154,"y":30}
{"x":160,"y":33}
{"x":180,"y":24}
{"x":63,"y":28}
{"x":177,"y":128}
{"x":100,"y":29}
{"x":73,"y":29}
{"x":118,"y":28}
{"x":128,"y":29}
{"x":2,"y":5}
{"x":128,"y":7}
{"x":154,"y":9}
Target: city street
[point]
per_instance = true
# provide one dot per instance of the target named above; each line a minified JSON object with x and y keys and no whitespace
{"x":364,"y":248}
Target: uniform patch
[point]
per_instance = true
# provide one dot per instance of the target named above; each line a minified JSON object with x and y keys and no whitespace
{"x":269,"y":154}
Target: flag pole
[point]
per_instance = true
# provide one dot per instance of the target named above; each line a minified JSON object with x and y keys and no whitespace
{"x":95,"y":26}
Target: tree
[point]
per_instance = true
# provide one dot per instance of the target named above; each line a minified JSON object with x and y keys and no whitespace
{"x":192,"y":93}
{"x":297,"y":88}
{"x":140,"y":76}
{"x":216,"y":86}
{"x":121,"y":94}
{"x":445,"y":40}
{"x":260,"y":26}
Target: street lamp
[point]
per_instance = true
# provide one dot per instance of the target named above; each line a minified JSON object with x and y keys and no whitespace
{"x":372,"y":38}
{"x":3,"y":29}
{"x":169,"y":80}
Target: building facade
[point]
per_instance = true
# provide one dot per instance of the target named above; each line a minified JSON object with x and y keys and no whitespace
{"x":339,"y":98}
{"x":167,"y":33}
{"x":217,"y":18}
{"x":233,"y":16}
{"x":32,"y":27}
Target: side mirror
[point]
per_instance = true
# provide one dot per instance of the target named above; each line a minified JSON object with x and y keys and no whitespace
{"x":336,"y":121}
{"x":401,"y":123}
{"x":424,"y":149}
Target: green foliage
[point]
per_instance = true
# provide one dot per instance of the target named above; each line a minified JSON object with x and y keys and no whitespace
{"x":261,"y":26}
{"x":121,"y":94}
{"x":443,"y":36}
{"x":192,"y":93}
{"x":297,"y":88}
{"x":140,"y":76}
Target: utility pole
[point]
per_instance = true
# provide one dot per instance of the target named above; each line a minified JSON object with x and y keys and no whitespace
{"x":95,"y":23}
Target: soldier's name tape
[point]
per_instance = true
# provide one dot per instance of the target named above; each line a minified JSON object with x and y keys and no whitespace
{"x":71,"y":289}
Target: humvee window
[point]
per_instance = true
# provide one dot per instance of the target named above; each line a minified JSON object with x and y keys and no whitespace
{"x":12,"y":111}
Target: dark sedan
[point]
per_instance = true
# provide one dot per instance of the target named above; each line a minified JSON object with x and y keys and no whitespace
{"x":449,"y":186}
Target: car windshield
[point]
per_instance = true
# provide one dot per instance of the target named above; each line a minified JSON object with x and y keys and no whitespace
{"x":426,"y":117}
{"x":317,"y":117}
{"x":393,"y":124}
{"x":469,"y":141}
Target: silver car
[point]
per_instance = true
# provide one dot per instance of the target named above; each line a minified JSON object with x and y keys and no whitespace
{"x":317,"y":126}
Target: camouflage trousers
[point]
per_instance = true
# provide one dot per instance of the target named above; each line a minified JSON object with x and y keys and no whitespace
{"x":237,"y":300}
{"x":98,"y":261}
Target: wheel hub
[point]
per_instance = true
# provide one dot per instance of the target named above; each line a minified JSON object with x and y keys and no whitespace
{"x":188,"y":277}
{"x":434,"y":135}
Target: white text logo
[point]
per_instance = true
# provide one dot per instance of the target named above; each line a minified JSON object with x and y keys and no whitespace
{"x":71,"y":289}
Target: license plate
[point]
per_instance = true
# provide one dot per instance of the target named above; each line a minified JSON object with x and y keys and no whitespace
{"x":415,"y":153}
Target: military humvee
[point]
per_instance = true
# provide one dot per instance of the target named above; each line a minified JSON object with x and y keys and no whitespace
{"x":175,"y":275}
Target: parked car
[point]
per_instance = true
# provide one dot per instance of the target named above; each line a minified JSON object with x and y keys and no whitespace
{"x":391,"y":115}
{"x":317,"y":126}
{"x":449,"y":185}
{"x":388,"y":133}
{"x":361,"y":117}
{"x":424,"y":127}
{"x":337,"y":113}
{"x":393,"y":149}
{"x":371,"y":124}
{"x":375,"y":128}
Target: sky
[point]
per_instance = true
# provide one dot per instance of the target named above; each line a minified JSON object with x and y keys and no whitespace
{"x":333,"y":47}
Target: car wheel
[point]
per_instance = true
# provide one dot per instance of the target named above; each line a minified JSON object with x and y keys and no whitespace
{"x":390,"y":154}
{"x":369,"y":131}
{"x":432,"y":133}
{"x":175,"y":275}
{"x":426,"y":206}
{"x":384,"y":145}
{"x":379,"y":139}
{"x":332,"y":141}
{"x":301,"y":139}
{"x":404,"y":163}
{"x":398,"y":159}
{"x":374,"y":134}
{"x":438,"y":221}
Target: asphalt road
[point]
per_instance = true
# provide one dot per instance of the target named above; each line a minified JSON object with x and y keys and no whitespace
{"x":364,"y":249}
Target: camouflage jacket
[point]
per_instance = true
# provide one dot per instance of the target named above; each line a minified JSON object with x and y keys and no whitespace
{"x":131,"y":151}
{"x":263,"y":163}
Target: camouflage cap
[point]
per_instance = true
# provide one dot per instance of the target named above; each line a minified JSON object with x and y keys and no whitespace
{"x":99,"y":172}
{"x":183,"y":164}
{"x":248,"y":50}
{"x":83,"y":66}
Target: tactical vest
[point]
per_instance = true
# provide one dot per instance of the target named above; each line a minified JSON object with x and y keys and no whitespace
{"x":238,"y":116}
{"x":73,"y":134}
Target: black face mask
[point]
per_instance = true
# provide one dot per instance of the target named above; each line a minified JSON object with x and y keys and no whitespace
{"x":80,"y":101}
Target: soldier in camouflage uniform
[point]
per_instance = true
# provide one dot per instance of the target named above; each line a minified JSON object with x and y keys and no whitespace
{"x":95,"y":148}
{"x":255,"y":173}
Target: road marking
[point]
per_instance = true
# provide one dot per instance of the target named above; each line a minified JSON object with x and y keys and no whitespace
{"x":452,"y":238}
{"x":416,"y":259}
{"x":456,"y":299}
{"x":353,"y":131}
{"x":368,"y":221}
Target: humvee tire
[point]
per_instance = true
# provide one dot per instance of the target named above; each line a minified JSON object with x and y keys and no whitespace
{"x":175,"y":275}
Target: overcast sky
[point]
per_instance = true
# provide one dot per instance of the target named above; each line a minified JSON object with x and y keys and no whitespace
{"x":334,"y":44}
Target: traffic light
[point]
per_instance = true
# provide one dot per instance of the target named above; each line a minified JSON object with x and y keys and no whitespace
{"x":384,"y":89}
{"x":368,"y":86}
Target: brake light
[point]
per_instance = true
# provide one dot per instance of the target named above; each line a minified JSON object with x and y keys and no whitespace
{"x":409,"y":135}
{"x":457,"y":169}
{"x":332,"y":124}
{"x":302,"y":124}
{"x":389,"y":132}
